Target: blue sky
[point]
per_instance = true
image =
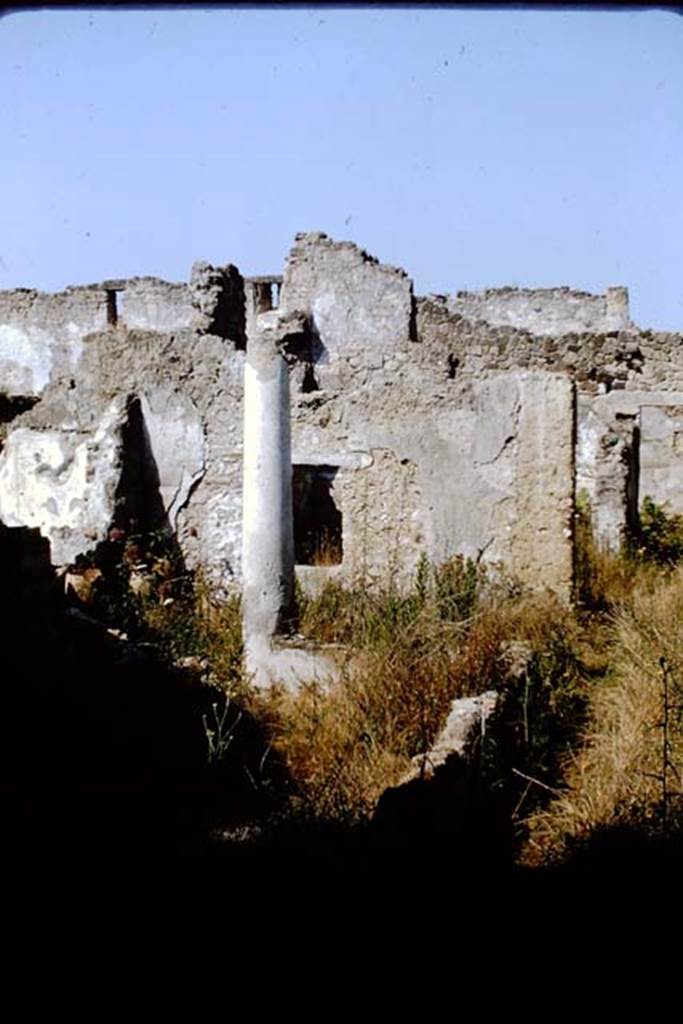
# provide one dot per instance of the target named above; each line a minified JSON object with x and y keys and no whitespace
{"x":472,"y":147}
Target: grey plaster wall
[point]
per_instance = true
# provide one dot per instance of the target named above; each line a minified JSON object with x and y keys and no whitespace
{"x":41,"y":335}
{"x":360,"y":310}
{"x":63,"y":458}
{"x":661,"y":455}
{"x":147,"y":303}
{"x":63,"y":482}
{"x":606,"y":450}
{"x":443,"y":463}
{"x":620,"y":459}
{"x":545,"y":311}
{"x":65,"y":453}
{"x":485,"y":471}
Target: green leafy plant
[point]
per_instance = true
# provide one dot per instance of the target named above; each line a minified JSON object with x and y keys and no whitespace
{"x":603,"y":579}
{"x":660,"y":534}
{"x":458,"y":583}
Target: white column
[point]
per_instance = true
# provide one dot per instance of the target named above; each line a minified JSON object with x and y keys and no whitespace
{"x":267,"y":530}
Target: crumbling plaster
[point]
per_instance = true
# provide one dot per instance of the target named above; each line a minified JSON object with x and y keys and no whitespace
{"x":661,"y":454}
{"x":189,"y":385}
{"x":451,"y":433}
{"x":41,"y":335}
{"x":545,"y":311}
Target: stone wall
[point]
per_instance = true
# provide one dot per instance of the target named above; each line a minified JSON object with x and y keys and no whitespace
{"x":360,"y":311}
{"x":149,"y":304}
{"x":545,"y":311}
{"x":661,"y":454}
{"x":615,"y":373}
{"x":468,"y":472}
{"x":615,"y":360}
{"x":442,"y":462}
{"x":41,"y":335}
{"x":420,"y":429}
{"x":619,"y":459}
{"x":160,"y":408}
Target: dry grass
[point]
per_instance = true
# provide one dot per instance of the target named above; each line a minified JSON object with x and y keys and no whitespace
{"x":196,"y":629}
{"x":345,"y":746}
{"x":615,"y":778}
{"x":410,"y":655}
{"x":328,"y":552}
{"x":339,"y":751}
{"x":580,"y":718}
{"x":604,"y":580}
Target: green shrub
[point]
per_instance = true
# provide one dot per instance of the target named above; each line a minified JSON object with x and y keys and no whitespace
{"x":362,"y":616}
{"x":603,"y":579}
{"x":197,"y":628}
{"x":543,"y":713}
{"x":660,"y":534}
{"x":458,"y":583}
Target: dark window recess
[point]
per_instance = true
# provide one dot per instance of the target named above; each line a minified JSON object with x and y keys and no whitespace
{"x":264,"y":296}
{"x":309,"y":383}
{"x":317,"y":520}
{"x":453,"y":364}
{"x":112,"y":312}
{"x":11,"y":406}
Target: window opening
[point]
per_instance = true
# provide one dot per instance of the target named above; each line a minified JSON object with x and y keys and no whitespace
{"x":317,"y":520}
{"x":112,"y":313}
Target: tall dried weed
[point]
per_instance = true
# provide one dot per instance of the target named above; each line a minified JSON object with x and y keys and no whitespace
{"x":617,"y":777}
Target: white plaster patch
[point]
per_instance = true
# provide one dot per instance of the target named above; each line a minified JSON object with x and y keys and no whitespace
{"x":43,"y":475}
{"x":75,"y":344}
{"x":25,"y":360}
{"x":176,"y":437}
{"x":61,"y":484}
{"x":345,"y":460}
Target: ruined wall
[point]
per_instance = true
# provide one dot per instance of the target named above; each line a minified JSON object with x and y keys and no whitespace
{"x":212,"y":302}
{"x":440,"y":465}
{"x":619,"y":459}
{"x":360,"y":311}
{"x":156,"y":411}
{"x":600,"y":363}
{"x":661,"y":454}
{"x":545,"y":311}
{"x":615,"y":373}
{"x":485,"y":471}
{"x":179,"y":399}
{"x":149,"y":304}
{"x":41,"y":335}
{"x":417,"y":429}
